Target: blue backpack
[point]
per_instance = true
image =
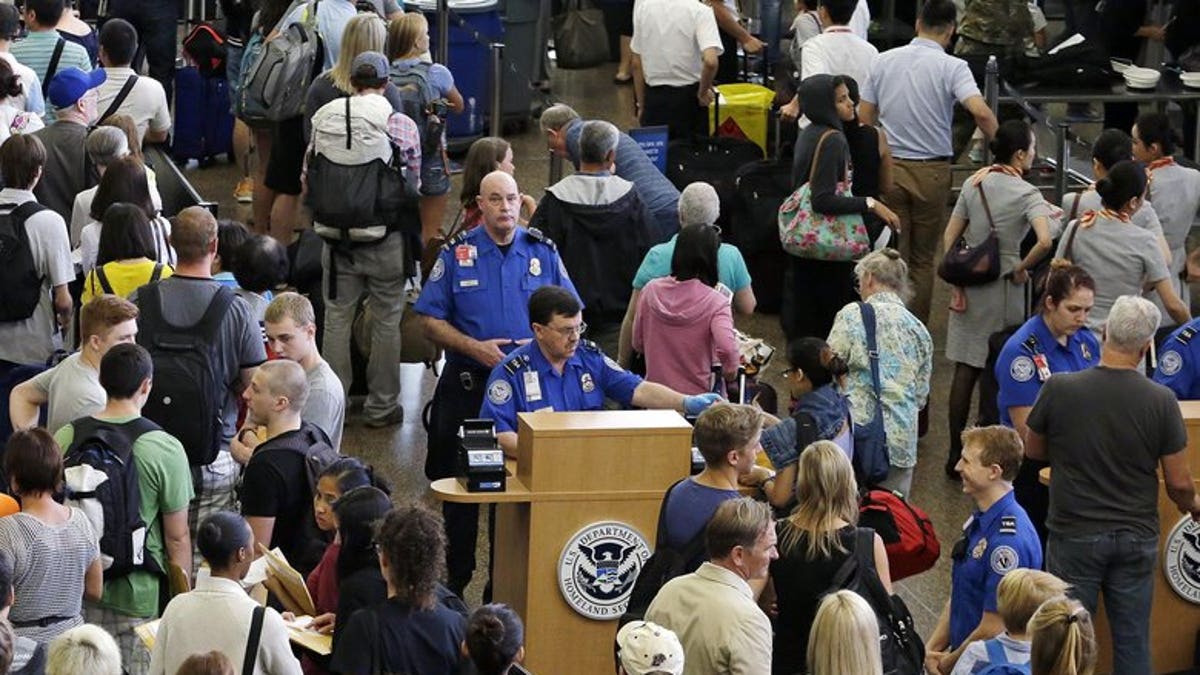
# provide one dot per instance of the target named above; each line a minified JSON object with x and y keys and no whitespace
{"x":998,"y":663}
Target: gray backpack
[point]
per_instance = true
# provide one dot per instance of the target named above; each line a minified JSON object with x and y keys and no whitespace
{"x":276,"y":84}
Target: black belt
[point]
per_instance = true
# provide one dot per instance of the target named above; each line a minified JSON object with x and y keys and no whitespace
{"x":41,"y":623}
{"x":923,"y":161}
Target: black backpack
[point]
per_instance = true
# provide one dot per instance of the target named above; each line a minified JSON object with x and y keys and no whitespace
{"x":902,"y":649}
{"x":188,"y":396}
{"x":102,"y":481}
{"x":662,"y":566}
{"x":313,"y":444}
{"x":19,"y":276}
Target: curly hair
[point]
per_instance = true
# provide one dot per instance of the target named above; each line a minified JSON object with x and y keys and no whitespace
{"x":413,"y":541}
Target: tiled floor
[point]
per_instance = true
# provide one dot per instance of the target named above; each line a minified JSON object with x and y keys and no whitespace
{"x":399,"y":452}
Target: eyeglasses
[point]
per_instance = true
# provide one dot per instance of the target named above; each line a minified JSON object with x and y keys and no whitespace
{"x":569,"y":331}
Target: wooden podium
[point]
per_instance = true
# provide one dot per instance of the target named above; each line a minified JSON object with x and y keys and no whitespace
{"x":593,"y":474}
{"x":1174,"y":621}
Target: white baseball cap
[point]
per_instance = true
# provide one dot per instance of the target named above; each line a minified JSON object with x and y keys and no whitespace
{"x":647,"y":648}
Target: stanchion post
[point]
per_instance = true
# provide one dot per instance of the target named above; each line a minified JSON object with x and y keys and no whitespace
{"x":991,"y":92}
{"x":497,"y":84}
{"x":443,"y":45}
{"x":1064,"y":162}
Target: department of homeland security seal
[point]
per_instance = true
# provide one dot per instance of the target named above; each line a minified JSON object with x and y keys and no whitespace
{"x":1171,"y":362}
{"x":1021,"y":369}
{"x":1181,"y":559}
{"x":598,"y":566}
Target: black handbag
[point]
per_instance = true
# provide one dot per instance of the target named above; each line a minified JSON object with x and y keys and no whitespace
{"x":580,"y":38}
{"x":965,"y":265}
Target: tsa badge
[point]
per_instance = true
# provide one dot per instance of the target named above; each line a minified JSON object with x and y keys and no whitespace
{"x":979,"y":549}
{"x":586,"y":383}
{"x":535,"y":267}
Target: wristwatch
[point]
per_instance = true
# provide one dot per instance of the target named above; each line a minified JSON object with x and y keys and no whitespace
{"x":871,"y":203}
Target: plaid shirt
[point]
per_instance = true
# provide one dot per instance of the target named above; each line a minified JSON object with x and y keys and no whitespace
{"x":403,"y":132}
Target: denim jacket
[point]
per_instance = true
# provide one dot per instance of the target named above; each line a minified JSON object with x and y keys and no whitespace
{"x":827,"y":409}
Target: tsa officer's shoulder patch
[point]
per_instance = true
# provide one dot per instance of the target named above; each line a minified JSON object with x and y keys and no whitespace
{"x":499,"y":392}
{"x":1004,"y":559}
{"x":1021,"y":369}
{"x":1170,"y":363}
{"x":1008,"y":524}
{"x":439,"y":269}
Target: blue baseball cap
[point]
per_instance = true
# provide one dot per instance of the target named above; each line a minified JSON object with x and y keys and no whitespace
{"x":69,"y":85}
{"x":377,"y":62}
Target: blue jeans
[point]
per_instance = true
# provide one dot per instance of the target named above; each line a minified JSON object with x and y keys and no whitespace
{"x":1121,"y":565}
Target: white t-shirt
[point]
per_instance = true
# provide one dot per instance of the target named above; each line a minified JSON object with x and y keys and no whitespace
{"x":146,"y":103}
{"x":32,"y":340}
{"x":81,"y":210}
{"x":837,"y":51}
{"x":671,"y":36}
{"x":32,"y":100}
{"x":89,"y":243}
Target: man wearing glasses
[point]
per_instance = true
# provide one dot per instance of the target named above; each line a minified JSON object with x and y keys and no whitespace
{"x":560,"y":371}
{"x":475,"y":306}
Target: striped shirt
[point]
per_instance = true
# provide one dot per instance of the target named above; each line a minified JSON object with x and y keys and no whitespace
{"x":36,"y":49}
{"x":49,"y":563}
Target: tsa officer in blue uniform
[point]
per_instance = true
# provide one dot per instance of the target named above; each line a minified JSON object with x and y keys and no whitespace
{"x":996,"y":539}
{"x":475,"y":306}
{"x":560,"y":371}
{"x":1179,"y":362}
{"x":1055,"y":340}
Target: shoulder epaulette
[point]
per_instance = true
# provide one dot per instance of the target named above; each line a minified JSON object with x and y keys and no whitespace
{"x":1008,"y":524}
{"x":590,"y":345}
{"x":1031,"y":345}
{"x":1185,"y":336}
{"x":456,"y":239}
{"x":513,"y":364}
{"x":537,"y":235}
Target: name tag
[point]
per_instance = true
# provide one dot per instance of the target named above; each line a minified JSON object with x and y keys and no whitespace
{"x":533,"y":386}
{"x":468,"y":283}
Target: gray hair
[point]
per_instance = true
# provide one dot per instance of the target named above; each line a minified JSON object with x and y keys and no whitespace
{"x":699,"y":204}
{"x":1131,"y":323}
{"x":106,"y":145}
{"x":888,"y":269}
{"x":596,"y":140}
{"x":557,"y":116}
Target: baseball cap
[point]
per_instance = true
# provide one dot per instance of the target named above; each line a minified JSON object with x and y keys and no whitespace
{"x":10,"y":22}
{"x":69,"y":85}
{"x":378,"y":62}
{"x":647,"y":647}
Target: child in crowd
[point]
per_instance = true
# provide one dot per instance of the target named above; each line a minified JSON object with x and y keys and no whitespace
{"x":1062,"y":639}
{"x":646,"y":648}
{"x":1018,"y":596}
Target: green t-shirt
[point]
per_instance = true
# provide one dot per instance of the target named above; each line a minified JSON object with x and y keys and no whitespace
{"x":165,"y":481}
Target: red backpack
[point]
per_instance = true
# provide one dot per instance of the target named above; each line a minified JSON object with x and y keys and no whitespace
{"x":907,"y":532}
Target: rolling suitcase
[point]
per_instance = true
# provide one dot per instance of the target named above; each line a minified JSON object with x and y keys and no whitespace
{"x":203,"y":123}
{"x":760,"y":187}
{"x":708,"y":160}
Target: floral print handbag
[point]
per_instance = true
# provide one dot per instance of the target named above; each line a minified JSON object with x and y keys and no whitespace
{"x":805,"y":233}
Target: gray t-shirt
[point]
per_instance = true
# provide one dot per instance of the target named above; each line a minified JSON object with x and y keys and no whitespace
{"x":72,"y":389}
{"x":32,"y":340}
{"x":1124,"y":257}
{"x":185,"y":299}
{"x":326,"y":404}
{"x":1106,"y":430}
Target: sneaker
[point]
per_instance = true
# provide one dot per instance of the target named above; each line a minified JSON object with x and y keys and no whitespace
{"x":244,"y":192}
{"x":393,"y":418}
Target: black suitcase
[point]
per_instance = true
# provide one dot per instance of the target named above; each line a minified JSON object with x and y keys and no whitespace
{"x":760,"y":187}
{"x":710,"y":160}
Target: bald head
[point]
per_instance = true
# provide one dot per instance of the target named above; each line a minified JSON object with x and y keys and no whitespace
{"x":500,"y":201}
{"x":283,"y":378}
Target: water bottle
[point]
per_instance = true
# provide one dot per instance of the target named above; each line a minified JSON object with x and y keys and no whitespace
{"x":471,"y":115}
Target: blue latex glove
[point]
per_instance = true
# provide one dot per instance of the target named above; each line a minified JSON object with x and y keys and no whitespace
{"x":694,"y":405}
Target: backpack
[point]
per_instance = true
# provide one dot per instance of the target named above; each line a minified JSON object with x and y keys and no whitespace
{"x":902,"y":649}
{"x":906,"y":530}
{"x":102,"y":481}
{"x":188,"y":395}
{"x":998,"y":663}
{"x":251,"y":52}
{"x":356,"y":185}
{"x":276,"y":83}
{"x":662,"y":566}
{"x":206,"y":47}
{"x":19,"y":276}
{"x":313,"y":444}
{"x":420,"y":102}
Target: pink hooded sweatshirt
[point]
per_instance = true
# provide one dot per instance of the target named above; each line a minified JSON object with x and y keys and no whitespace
{"x":683,"y":328}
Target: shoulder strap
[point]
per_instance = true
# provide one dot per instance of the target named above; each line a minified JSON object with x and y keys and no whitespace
{"x":129,"y":432}
{"x":995,"y":652}
{"x":251,"y":657}
{"x":120,"y":98}
{"x":1075,"y":207}
{"x":660,"y":536}
{"x":210,"y":323}
{"x":103,"y":279}
{"x":53,"y":67}
{"x":986,"y":209}
{"x":868,"y":319}
{"x":849,"y":565}
{"x":812,"y":167}
{"x":157,"y":273}
{"x":1071,"y":241}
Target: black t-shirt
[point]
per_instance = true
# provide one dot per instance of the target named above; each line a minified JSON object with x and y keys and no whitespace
{"x":420,"y":642}
{"x":275,"y":485}
{"x":799,"y":585}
